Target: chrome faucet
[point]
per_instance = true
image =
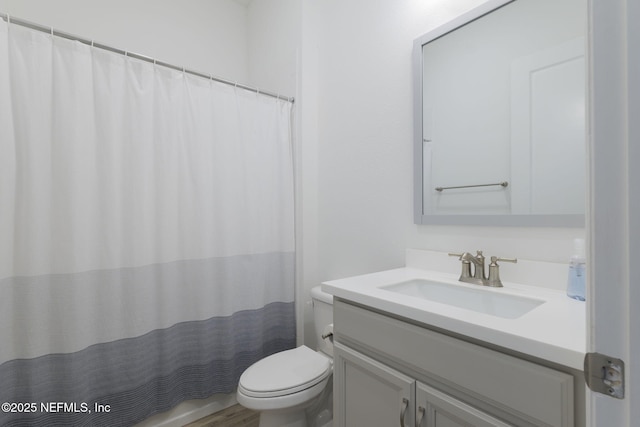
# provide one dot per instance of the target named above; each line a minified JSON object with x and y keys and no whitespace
{"x":479,"y":277}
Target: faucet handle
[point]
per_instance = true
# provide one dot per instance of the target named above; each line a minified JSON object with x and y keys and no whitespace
{"x":495,"y":258}
{"x":465,"y":273}
{"x":494,"y":271}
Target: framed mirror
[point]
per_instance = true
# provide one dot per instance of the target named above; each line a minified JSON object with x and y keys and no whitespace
{"x":500,"y":116}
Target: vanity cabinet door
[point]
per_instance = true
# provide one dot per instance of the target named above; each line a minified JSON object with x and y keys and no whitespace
{"x":437,"y":409}
{"x":369,"y":393}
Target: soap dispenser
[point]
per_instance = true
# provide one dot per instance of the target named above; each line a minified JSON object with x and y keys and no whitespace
{"x":576,"y":283}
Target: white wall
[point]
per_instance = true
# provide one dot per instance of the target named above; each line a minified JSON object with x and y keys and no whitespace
{"x":203,"y":35}
{"x":365,"y":145}
{"x":273,"y":29}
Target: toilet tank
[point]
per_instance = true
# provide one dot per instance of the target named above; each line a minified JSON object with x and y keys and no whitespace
{"x":322,"y":318}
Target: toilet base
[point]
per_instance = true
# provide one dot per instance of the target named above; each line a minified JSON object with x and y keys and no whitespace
{"x":284,"y":418}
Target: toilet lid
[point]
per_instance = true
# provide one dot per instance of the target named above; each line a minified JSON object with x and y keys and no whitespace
{"x":284,"y":373}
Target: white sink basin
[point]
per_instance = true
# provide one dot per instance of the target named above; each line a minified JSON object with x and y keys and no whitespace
{"x":479,"y":300}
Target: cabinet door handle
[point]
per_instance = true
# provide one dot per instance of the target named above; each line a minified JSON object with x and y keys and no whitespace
{"x":405,"y":405}
{"x":421,"y":411}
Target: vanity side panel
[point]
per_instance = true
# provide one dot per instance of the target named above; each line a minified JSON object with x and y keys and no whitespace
{"x":532,"y":392}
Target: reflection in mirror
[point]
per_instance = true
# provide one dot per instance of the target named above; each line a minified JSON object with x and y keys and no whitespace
{"x":500,"y":116}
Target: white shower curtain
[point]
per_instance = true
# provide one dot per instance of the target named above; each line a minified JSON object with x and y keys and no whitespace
{"x":146,"y":233}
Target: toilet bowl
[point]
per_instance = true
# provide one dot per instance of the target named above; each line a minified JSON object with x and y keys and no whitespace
{"x":286,"y":385}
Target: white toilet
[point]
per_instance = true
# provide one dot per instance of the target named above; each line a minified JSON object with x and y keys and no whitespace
{"x":293,"y":386}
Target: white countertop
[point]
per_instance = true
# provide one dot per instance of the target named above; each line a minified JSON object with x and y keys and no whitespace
{"x":554,"y":331}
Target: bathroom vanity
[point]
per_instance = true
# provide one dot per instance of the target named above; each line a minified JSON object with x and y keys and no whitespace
{"x":405,"y":359}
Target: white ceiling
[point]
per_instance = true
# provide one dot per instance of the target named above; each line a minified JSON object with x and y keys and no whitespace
{"x":244,"y":2}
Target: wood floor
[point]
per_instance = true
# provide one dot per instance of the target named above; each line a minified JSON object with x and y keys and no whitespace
{"x":234,"y":416}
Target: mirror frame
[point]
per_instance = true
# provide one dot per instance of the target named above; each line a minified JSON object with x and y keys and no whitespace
{"x":514,"y":220}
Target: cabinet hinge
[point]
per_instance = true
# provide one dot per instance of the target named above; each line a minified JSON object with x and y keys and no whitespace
{"x":604,"y":374}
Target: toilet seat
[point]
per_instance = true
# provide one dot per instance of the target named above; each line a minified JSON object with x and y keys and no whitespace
{"x":285,"y":373}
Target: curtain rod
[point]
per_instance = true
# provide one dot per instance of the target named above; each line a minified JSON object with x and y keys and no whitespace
{"x":11,"y":20}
